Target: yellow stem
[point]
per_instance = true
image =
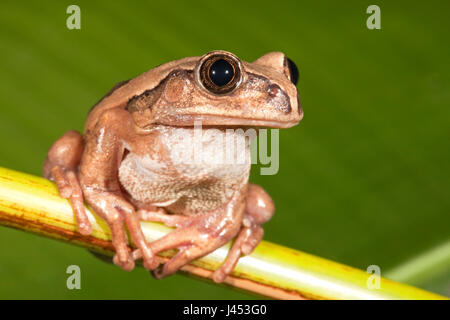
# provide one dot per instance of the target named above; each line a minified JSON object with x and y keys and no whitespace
{"x":32,"y":204}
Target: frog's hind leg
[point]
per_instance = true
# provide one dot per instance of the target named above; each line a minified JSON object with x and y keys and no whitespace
{"x":61,"y":166}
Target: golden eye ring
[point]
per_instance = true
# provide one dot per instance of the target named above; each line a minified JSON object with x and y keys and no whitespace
{"x":220,"y":73}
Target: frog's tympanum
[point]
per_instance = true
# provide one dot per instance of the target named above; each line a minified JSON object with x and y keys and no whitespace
{"x":129,"y":167}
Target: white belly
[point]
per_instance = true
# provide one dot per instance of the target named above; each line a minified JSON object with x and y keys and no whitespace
{"x":201,"y":170}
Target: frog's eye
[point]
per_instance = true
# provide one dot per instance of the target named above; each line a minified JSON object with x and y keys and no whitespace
{"x":293,"y":71}
{"x":220,"y":74}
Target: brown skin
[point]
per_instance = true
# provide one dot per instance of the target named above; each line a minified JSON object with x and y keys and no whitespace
{"x":124,"y":166}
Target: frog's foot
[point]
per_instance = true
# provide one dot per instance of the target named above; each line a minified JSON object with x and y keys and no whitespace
{"x":194,"y":238}
{"x":245,"y":243}
{"x":156,"y":214}
{"x":188,"y":242}
{"x":115,"y":210}
{"x":197,"y":236}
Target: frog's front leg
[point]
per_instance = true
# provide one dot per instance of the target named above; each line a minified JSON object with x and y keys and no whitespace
{"x":197,"y":236}
{"x":259,"y":209}
{"x":103,"y":152}
{"x":61,"y":166}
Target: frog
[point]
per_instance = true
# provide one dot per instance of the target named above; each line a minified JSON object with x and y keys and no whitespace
{"x":131,"y":163}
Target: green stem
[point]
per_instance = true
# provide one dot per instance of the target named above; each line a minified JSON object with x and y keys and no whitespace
{"x":32,"y":204}
{"x":427,"y":265}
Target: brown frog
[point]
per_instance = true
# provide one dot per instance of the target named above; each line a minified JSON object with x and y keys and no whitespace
{"x":134,"y":161}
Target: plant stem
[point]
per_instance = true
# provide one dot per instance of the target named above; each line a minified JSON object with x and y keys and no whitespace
{"x":32,"y":204}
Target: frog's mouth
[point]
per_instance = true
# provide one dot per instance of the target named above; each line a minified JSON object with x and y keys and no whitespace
{"x":230,"y":121}
{"x":189,"y":120}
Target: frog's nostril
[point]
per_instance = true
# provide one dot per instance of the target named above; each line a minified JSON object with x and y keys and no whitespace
{"x":278,"y":99}
{"x":273,"y":90}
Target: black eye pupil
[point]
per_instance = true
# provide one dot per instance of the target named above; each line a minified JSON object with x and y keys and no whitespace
{"x":221,"y":72}
{"x":293,"y":71}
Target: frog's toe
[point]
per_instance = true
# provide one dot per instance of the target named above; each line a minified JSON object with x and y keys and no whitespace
{"x":158,"y":273}
{"x":219,"y":275}
{"x":183,"y":257}
{"x":151,"y":263}
{"x":252,"y":240}
{"x":85,"y":228}
{"x":127,"y":264}
{"x":156,"y":214}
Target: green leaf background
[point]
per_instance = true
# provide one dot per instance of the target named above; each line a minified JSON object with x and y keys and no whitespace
{"x":363,"y":180}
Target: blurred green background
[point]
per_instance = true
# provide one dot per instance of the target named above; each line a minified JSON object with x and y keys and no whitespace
{"x":364,"y":179}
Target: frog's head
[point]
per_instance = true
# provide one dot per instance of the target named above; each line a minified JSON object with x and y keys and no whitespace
{"x":219,"y":89}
